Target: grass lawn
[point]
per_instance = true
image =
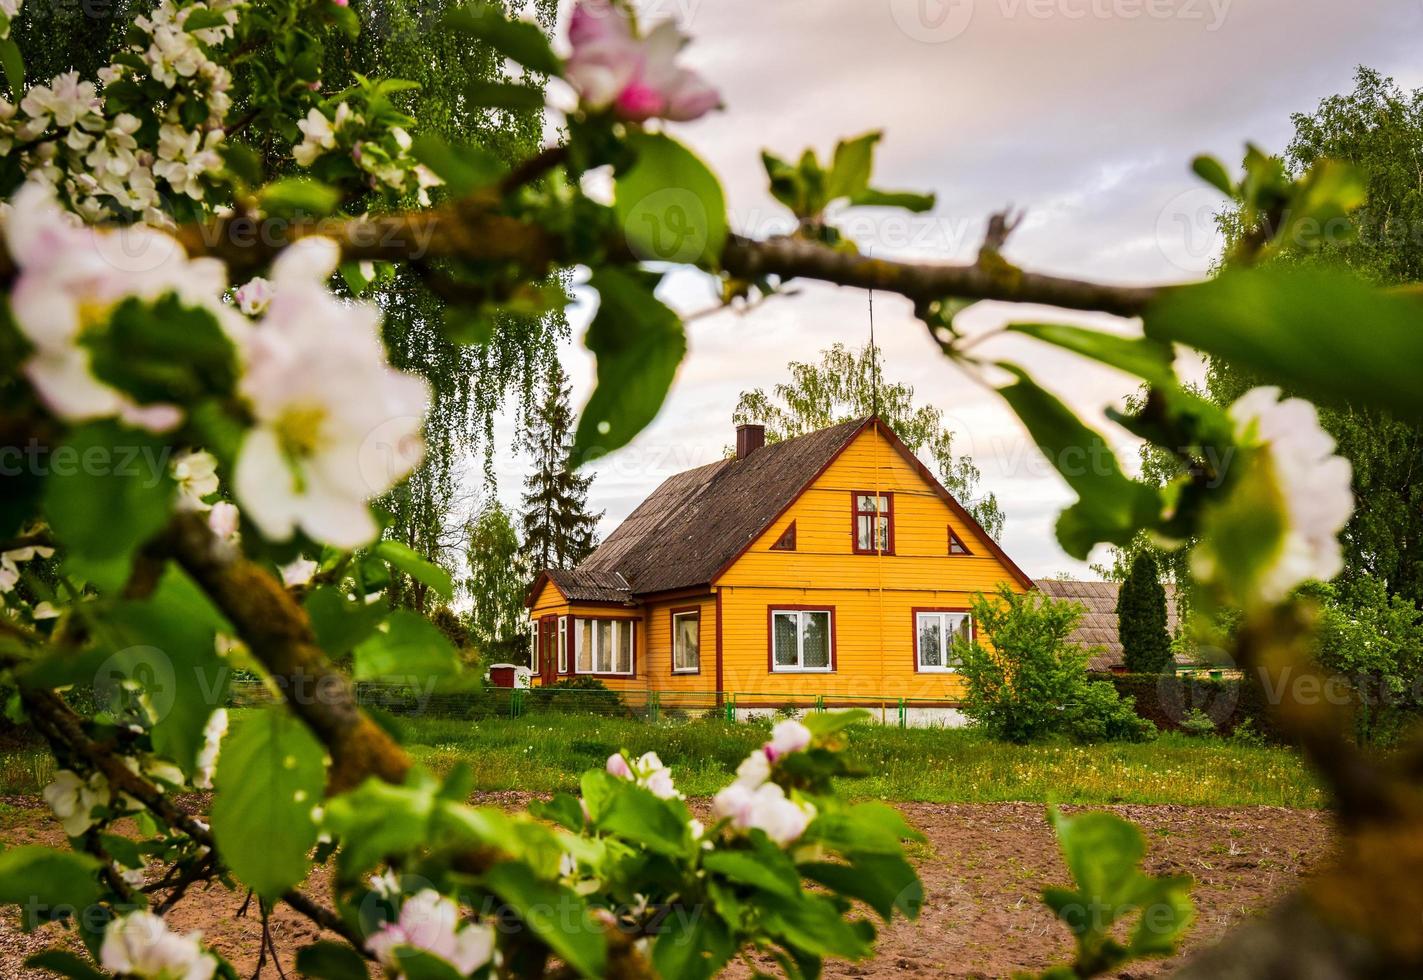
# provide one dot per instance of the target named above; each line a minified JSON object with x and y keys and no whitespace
{"x":543,"y":753}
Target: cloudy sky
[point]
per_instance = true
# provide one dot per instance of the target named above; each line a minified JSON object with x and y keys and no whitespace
{"x":1085,"y":113}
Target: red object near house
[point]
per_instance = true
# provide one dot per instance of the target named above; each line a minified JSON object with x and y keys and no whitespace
{"x":501,"y":675}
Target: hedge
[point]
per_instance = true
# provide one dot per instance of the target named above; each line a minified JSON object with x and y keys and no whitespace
{"x":1166,"y":699}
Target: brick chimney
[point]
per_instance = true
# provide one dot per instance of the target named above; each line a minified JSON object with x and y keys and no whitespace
{"x":749,"y":438}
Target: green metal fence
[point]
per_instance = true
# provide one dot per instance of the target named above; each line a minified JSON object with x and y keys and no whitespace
{"x":649,"y":705}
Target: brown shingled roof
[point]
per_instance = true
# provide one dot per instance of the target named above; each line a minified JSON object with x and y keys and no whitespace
{"x":1098,"y":626}
{"x":697,"y":521}
{"x":582,"y":585}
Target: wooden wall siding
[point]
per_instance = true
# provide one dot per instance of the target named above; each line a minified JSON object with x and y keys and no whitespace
{"x":658,"y":648}
{"x":873,"y":595}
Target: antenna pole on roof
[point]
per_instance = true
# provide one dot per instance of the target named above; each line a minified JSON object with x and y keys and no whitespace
{"x":874,"y":361}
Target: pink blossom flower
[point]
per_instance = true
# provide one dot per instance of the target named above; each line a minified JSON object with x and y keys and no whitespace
{"x":764,"y":808}
{"x":618,"y":766}
{"x":430,"y":922}
{"x":787,"y":737}
{"x":253,"y":296}
{"x":637,"y":77}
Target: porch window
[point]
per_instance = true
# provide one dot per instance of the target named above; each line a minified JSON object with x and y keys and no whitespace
{"x":603,"y":646}
{"x":802,"y":640}
{"x":687,"y":642}
{"x":874,"y":523}
{"x":935,"y":632}
{"x":563,"y":644}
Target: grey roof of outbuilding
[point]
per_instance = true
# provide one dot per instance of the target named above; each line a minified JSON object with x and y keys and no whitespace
{"x":1098,"y":626}
{"x":696,"y":522}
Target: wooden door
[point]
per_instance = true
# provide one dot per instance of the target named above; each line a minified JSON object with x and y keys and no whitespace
{"x":548,"y":649}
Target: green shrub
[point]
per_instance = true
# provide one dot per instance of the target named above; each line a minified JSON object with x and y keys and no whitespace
{"x":1033,"y":685}
{"x":1198,"y":723}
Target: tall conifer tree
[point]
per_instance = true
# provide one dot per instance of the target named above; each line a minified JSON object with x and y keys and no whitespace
{"x":1141,"y":618}
{"x":558,"y":529}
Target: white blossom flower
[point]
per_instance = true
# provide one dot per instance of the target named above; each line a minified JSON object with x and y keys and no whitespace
{"x":213,"y":732}
{"x":787,"y":737}
{"x":73,"y":799}
{"x":196,"y":473}
{"x":430,"y":922}
{"x":298,"y":572}
{"x":317,"y":136}
{"x":254,"y":296}
{"x":64,"y":101}
{"x":10,"y":563}
{"x":325,"y":440}
{"x":1312,"y":485}
{"x":754,"y":770}
{"x":45,"y":610}
{"x":223,"y":520}
{"x":71,"y":277}
{"x":140,"y":945}
{"x":765,"y":808}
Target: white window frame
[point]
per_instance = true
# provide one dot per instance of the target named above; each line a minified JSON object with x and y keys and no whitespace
{"x":949,"y":624}
{"x":615,"y":633}
{"x":798,"y":667}
{"x":563,"y":644}
{"x":696,"y":616}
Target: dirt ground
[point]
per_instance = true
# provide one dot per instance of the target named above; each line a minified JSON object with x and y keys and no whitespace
{"x":983,"y":867}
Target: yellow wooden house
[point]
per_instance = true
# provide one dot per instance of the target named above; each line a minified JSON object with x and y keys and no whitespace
{"x":831,"y":568}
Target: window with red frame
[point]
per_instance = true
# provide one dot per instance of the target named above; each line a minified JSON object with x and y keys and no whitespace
{"x":874,"y":523}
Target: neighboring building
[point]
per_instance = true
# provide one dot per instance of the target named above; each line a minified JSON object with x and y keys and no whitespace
{"x":1097,"y":630}
{"x":833,"y":564}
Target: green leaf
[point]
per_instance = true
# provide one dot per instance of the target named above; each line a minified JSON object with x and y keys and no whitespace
{"x":886,"y":883}
{"x":1319,"y":210}
{"x":1167,"y":912}
{"x":775,"y":874}
{"x":555,"y":914}
{"x":563,"y":810}
{"x":1111,"y":507}
{"x":1102,"y":852}
{"x":409,"y":561}
{"x":1322,"y":333}
{"x":1213,"y":172}
{"x":852,"y":167}
{"x":503,"y":95}
{"x":418,"y":964}
{"x":65,"y":964}
{"x":164,"y":352}
{"x":669,"y":204}
{"x":339,"y":621}
{"x":270,"y":775}
{"x":518,"y":40}
{"x":908,"y":200}
{"x":1147,"y":359}
{"x":14,"y":64}
{"x":813,"y":925}
{"x":464,"y":169}
{"x":377,"y":820}
{"x":201,"y":19}
{"x":639,"y":343}
{"x":869,"y":827}
{"x":407,"y":648}
{"x":635,"y":814}
{"x":48,"y":884}
{"x":327,"y":960}
{"x":299,"y":196}
{"x":823,"y":724}
{"x":109,"y":490}
{"x":169,"y":650}
{"x":693,"y":943}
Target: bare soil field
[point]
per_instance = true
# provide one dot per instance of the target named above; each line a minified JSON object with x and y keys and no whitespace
{"x":983,"y":866}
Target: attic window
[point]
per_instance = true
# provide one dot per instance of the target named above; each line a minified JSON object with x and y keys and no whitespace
{"x":874,"y":523}
{"x":786,"y":542}
{"x":956,"y":545}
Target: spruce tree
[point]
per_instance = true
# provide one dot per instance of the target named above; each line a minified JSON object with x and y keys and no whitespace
{"x":558,"y":529}
{"x":1141,"y":618}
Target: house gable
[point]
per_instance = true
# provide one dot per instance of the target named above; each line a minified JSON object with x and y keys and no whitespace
{"x":925,"y":520}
